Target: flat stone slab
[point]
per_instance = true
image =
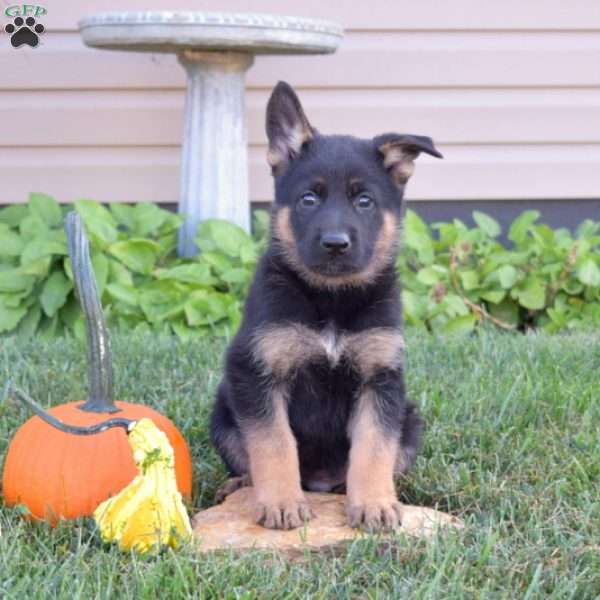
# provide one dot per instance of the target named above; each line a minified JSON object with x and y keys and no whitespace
{"x":173,"y":31}
{"x":231,"y":526}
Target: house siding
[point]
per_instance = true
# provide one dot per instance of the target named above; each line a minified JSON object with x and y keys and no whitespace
{"x":509,"y":91}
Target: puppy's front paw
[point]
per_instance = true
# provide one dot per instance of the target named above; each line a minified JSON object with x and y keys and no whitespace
{"x":287,"y":513}
{"x":375,"y":515}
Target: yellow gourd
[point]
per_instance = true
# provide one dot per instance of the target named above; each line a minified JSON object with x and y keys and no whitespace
{"x":149,"y":512}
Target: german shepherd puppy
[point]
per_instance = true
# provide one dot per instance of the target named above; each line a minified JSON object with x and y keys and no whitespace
{"x":313,"y":393}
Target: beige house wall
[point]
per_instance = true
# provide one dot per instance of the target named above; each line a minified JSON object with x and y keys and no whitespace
{"x":509,"y":90}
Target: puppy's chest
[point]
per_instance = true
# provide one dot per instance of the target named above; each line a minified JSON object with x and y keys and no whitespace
{"x":333,"y":345}
{"x":285,"y":350}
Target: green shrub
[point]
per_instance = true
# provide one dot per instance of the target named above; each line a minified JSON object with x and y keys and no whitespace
{"x":142,"y":282}
{"x":454,"y":277}
{"x":463,"y":276}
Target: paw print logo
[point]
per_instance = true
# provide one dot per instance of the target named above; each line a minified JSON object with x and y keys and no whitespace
{"x":24,"y":32}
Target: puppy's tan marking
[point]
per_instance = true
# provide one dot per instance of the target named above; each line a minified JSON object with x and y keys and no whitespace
{"x":371,"y":497}
{"x":399,"y":161}
{"x":402,"y":464}
{"x":282,"y":349}
{"x":375,"y":349}
{"x":275,"y":469}
{"x":283,"y":149}
{"x":383,"y":253}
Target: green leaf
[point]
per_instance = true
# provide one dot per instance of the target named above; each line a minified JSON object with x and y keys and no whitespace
{"x":447,"y":232}
{"x":29,"y":323}
{"x":456,"y":305}
{"x":189,"y":273}
{"x":11,"y":244}
{"x":413,"y":222}
{"x":240,"y":276}
{"x":124,"y":293}
{"x":587,"y":229}
{"x":219,"y":262}
{"x":100,"y":266}
{"x":46,"y":208}
{"x":460,"y":325}
{"x":168,"y":244}
{"x":171,"y":224}
{"x":589,"y":273}
{"x":531,"y":294}
{"x":248,"y":253}
{"x":33,"y":226}
{"x":148,"y":218}
{"x":422,"y":244}
{"x":160,"y":301}
{"x":506,"y":311}
{"x":507,"y":276}
{"x":553,"y":269}
{"x":124,"y":214}
{"x":13,"y":280}
{"x":521,"y":225}
{"x":38,"y":268}
{"x":51,"y":244}
{"x":10,"y":316}
{"x":71,"y":311}
{"x":572,"y":287}
{"x":506,"y":257}
{"x":183,"y":332}
{"x":50,"y":327}
{"x":205,"y":307}
{"x":13,"y":215}
{"x":137,"y":254}
{"x":487,"y":223}
{"x":100,"y":224}
{"x":234,"y":314}
{"x":415,"y":309}
{"x":469,"y":279}
{"x":261,"y":225}
{"x":431,"y":275}
{"x":222,"y":235}
{"x":493,"y":296}
{"x":54,"y":293}
{"x":15,"y":299}
{"x":78,"y":329}
{"x":119,"y":273}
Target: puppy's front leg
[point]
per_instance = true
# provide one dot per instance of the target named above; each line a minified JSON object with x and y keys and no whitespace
{"x":371,"y":496}
{"x":275,"y":469}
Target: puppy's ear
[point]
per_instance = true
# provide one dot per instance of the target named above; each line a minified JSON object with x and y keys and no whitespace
{"x":287,"y":127}
{"x":399,"y":152}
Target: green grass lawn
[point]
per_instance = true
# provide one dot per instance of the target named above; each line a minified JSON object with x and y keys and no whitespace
{"x":512,"y":446}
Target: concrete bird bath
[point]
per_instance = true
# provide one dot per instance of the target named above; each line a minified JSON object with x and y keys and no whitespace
{"x":215,"y":49}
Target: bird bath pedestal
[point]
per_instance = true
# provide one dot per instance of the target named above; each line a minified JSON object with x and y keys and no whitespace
{"x":215,"y":49}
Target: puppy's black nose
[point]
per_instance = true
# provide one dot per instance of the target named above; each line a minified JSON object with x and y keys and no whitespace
{"x":335,"y":241}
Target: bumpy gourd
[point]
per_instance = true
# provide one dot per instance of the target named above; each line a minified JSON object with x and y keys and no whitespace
{"x":149,"y":512}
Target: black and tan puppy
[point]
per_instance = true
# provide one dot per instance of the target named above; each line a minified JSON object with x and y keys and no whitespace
{"x":313,"y":394}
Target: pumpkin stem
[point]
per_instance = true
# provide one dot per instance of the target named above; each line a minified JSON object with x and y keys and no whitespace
{"x":100,"y":372}
{"x":127,"y":424}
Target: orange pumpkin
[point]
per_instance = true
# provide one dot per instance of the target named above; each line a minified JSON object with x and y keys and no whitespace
{"x":61,"y":475}
{"x":56,"y":474}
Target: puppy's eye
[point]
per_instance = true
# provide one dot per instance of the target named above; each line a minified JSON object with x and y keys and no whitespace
{"x":309,"y":200}
{"x":364,"y":202}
